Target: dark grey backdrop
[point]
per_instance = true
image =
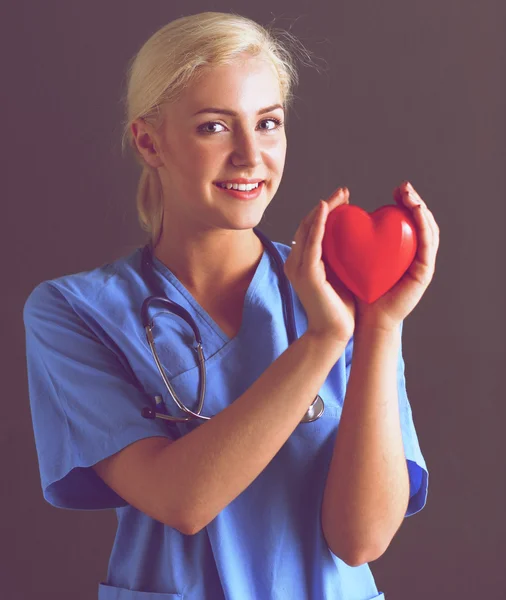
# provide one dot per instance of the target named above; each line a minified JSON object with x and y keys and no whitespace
{"x":413,"y":90}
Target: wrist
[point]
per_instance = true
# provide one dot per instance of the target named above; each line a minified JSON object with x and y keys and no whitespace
{"x":327,"y":343}
{"x":370,"y":320}
{"x":377,"y":332}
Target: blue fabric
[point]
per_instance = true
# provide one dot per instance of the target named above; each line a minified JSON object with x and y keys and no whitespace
{"x":90,"y":372}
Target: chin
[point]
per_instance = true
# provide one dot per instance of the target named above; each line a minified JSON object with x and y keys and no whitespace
{"x":243,"y":224}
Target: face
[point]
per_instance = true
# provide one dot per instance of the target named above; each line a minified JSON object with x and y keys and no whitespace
{"x":196,"y":147}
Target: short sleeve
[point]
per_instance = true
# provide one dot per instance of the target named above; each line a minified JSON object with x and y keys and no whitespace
{"x":417,"y":469}
{"x":84,"y":402}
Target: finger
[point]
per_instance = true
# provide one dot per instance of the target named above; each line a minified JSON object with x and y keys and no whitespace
{"x":296,"y":255}
{"x":313,"y":249}
{"x":305,"y":226}
{"x":410,"y":195}
{"x":301,"y":232}
{"x":433,"y":225}
{"x":434,"y":236}
{"x":317,"y":230}
{"x":435,"y":230}
{"x":406,"y":197}
{"x":414,"y":197}
{"x":424,"y":249}
{"x":428,"y":230}
{"x":339,"y":196}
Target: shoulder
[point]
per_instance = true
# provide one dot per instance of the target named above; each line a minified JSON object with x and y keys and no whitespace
{"x":99,"y":286}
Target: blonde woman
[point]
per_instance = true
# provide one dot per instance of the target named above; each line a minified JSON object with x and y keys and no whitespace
{"x":300,"y":465}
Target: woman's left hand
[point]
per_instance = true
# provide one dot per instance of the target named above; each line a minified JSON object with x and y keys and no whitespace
{"x":395,"y":305}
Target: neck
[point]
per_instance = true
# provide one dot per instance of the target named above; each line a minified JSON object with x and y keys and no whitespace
{"x":211,"y":263}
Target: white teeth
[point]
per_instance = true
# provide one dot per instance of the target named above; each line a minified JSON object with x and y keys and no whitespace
{"x":243,"y":187}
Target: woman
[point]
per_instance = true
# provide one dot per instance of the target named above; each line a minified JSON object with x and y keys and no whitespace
{"x":262,"y":500}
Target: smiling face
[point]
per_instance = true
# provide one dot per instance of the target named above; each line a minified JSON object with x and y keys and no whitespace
{"x":197,"y":148}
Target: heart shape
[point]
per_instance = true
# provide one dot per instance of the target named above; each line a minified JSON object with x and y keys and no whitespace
{"x":369,"y":253}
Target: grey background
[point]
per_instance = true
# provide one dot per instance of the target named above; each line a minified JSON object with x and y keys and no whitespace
{"x":412,"y":90}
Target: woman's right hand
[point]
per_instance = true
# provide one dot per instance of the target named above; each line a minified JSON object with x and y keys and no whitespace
{"x":330,"y":314}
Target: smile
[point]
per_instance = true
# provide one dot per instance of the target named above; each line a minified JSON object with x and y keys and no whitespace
{"x":241,"y":191}
{"x":243,"y":187}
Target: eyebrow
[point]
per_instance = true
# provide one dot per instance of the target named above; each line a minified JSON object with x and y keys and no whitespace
{"x":226,"y":111}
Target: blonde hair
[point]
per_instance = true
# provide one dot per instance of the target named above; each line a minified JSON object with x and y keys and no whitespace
{"x":171,"y":59}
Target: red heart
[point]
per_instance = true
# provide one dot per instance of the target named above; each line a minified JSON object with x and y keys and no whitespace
{"x":369,"y":253}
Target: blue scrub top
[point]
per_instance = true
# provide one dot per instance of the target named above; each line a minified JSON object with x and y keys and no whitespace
{"x":90,"y":373}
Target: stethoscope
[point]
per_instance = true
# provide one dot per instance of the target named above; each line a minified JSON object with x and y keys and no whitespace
{"x":314,"y":411}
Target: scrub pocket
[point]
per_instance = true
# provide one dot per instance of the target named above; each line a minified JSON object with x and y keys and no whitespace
{"x":111,"y":592}
{"x":380,"y":596}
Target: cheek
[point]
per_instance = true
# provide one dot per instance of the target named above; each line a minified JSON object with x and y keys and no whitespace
{"x":204,"y":159}
{"x":191,"y":164}
{"x":277,"y":157}
{"x":187,"y":154}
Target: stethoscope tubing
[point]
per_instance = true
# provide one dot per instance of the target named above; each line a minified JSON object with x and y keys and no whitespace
{"x":314,"y":411}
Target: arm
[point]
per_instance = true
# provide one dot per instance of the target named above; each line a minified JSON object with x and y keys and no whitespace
{"x":367,"y":489}
{"x":187,"y":482}
{"x":368,"y":481}
{"x":219,"y":459}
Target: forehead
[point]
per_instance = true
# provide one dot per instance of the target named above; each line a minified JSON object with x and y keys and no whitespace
{"x":245,"y":85}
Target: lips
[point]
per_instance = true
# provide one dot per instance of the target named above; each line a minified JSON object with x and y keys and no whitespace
{"x":240,"y":180}
{"x":242,"y":194}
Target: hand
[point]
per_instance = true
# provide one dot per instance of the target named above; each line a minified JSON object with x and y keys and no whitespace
{"x":395,"y":305}
{"x":329,"y":313}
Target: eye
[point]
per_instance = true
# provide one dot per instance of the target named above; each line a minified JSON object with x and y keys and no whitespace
{"x":205,"y":127}
{"x":277,"y":124}
{"x":210,"y":127}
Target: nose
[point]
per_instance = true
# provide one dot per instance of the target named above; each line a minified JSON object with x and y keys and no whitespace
{"x":246,"y":151}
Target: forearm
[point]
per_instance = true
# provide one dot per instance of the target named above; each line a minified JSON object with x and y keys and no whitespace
{"x":367,"y":488}
{"x":216,"y":461}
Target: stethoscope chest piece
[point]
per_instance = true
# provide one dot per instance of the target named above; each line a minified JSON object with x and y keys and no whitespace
{"x":314,"y":411}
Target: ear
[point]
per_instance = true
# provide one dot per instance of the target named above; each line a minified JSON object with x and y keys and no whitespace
{"x":146,"y":142}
